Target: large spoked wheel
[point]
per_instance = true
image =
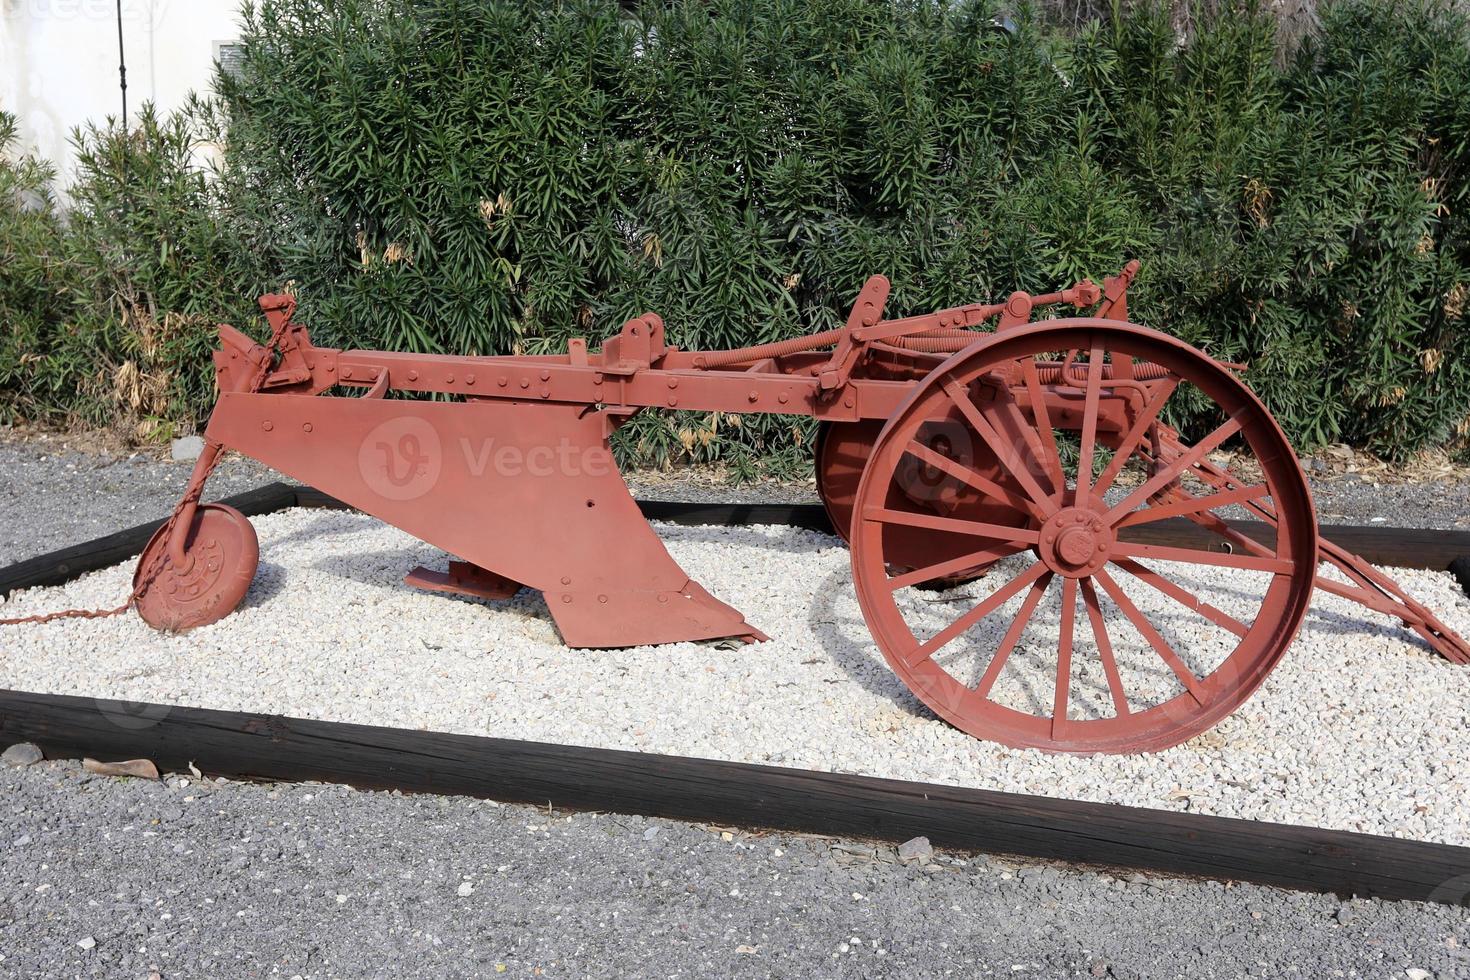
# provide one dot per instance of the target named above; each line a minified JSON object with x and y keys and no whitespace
{"x":1004,"y":658}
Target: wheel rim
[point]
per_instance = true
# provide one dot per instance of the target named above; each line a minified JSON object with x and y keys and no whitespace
{"x":1109,"y":693}
{"x":220,"y":558}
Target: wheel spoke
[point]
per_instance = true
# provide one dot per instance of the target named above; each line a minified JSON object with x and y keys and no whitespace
{"x":1004,"y":453}
{"x":997,"y":599}
{"x":1134,"y":436}
{"x":1172,"y":470}
{"x":953,"y":566}
{"x":969,"y":476}
{"x":1089,"y":422}
{"x":954,"y":525}
{"x":1013,"y":635}
{"x":1251,"y":563}
{"x":1194,"y":505}
{"x":1042,"y":415}
{"x":1064,"y":657}
{"x":1154,"y":638}
{"x":1183,"y":596}
{"x":1104,"y":648}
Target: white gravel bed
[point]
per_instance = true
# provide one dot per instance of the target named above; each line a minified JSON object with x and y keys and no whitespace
{"x":1360,"y":728}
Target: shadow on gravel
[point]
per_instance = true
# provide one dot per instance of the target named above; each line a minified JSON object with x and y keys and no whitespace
{"x":845,"y":638}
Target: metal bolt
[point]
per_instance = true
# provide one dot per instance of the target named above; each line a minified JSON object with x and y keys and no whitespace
{"x":501,"y":381}
{"x":306,"y":427}
{"x":783,"y":398}
{"x":673,"y":383}
{"x":848,"y":402}
{"x":545,"y":375}
{"x":602,"y":598}
{"x":566,"y":598}
{"x":267,"y":425}
{"x":469,"y":379}
{"x":545,"y":393}
{"x":755,"y":396}
{"x":525,"y":382}
{"x":566,"y":580}
{"x":673,"y":402}
{"x":662,"y":597}
{"x":450,"y":378}
{"x":413,"y":375}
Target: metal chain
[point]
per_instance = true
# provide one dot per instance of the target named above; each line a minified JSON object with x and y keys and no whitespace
{"x":191,"y":496}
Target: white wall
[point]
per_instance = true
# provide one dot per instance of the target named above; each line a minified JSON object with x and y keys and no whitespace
{"x":58,"y":61}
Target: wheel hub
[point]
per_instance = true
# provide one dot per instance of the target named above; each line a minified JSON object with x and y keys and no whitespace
{"x":1075,"y":542}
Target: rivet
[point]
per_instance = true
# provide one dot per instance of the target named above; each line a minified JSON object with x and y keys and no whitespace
{"x":566,"y":580}
{"x":267,"y":425}
{"x":545,"y":393}
{"x":755,"y":396}
{"x":848,"y":402}
{"x":662,"y":597}
{"x":331,"y":368}
{"x":525,"y":382}
{"x":673,"y":402}
{"x":469,"y":379}
{"x":450,"y":379}
{"x":501,"y":381}
{"x":597,"y":379}
{"x":545,"y":375}
{"x":602,"y":598}
{"x":673,"y":383}
{"x":566,"y":598}
{"x":413,"y":375}
{"x":306,"y":427}
{"x":783,"y":398}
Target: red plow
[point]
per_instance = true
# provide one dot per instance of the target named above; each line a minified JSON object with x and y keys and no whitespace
{"x":1008,"y":463}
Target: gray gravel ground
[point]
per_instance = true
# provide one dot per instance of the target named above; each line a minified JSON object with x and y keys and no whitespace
{"x":100,"y":877}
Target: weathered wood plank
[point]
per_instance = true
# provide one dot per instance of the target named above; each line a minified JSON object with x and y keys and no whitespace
{"x":275,"y":748}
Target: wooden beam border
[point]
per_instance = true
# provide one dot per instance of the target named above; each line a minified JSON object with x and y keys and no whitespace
{"x":269,"y":747}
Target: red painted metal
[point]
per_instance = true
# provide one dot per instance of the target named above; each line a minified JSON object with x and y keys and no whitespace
{"x":941,"y":460}
{"x":185,"y":581}
{"x":1078,"y":541}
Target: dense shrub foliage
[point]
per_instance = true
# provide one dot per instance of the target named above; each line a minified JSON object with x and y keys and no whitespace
{"x":489,"y":177}
{"x":109,"y":314}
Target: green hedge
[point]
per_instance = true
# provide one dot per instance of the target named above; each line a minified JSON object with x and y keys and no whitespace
{"x":489,"y":177}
